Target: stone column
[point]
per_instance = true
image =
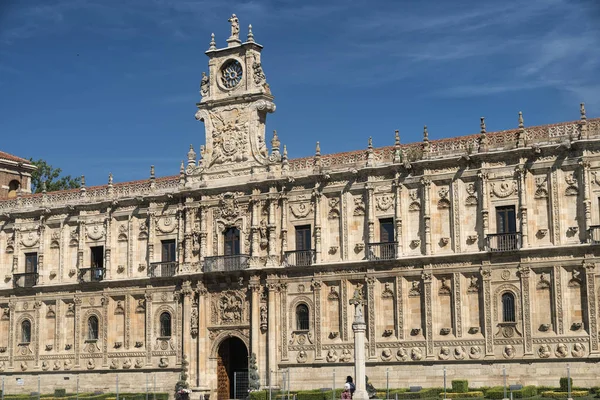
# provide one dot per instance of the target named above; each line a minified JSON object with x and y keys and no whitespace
{"x":61,"y":251}
{"x":587,"y":204}
{"x":271,"y":226}
{"x":317,"y":199}
{"x":180,"y":233}
{"x":456,"y":216}
{"x":555,"y":207}
{"x":284,"y":222}
{"x":255,"y":207}
{"x":484,"y":204}
{"x":37,"y":304}
{"x":558,"y":300}
{"x":127,"y":316}
{"x":203,"y":232}
{"x":104,"y":302}
{"x":427,"y":214}
{"x":273,"y":287}
{"x":255,"y":314}
{"x":426,"y":277}
{"x":486,"y":277}
{"x":524,"y":275}
{"x":42,"y":246}
{"x":188,"y":225}
{"x":521,"y":175}
{"x":399,"y":309}
{"x":398,"y":217}
{"x":344,"y":222}
{"x":456,"y":296}
{"x":371,"y":322}
{"x":359,"y":327}
{"x":108,"y":244}
{"x":148,"y":298}
{"x":316,"y":285}
{"x":80,"y":245}
{"x":370,"y":214}
{"x":186,"y":350}
{"x":12,"y":307}
{"x":77,"y":335}
{"x":151,"y":234}
{"x":590,"y":269}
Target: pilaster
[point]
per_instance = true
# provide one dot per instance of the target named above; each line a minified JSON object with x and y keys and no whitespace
{"x":284,"y":322}
{"x":344,"y":309}
{"x":37,"y":304}
{"x":61,"y":252}
{"x":521,"y":175}
{"x":272,"y":225}
{"x":590,"y":270}
{"x":399,"y":308}
{"x":273,"y":287}
{"x":344,"y":223}
{"x":427,"y":214}
{"x":127,"y":316}
{"x":148,"y":299}
{"x":398,"y":217}
{"x":255,"y":214}
{"x":151,"y":236}
{"x":555,"y":207}
{"x":108,"y":243}
{"x":317,"y":195}
{"x":77,"y":335}
{"x":483,"y":189}
{"x":203,"y":232}
{"x":587,"y":204}
{"x":254,"y":287}
{"x":316,"y":285}
{"x":558,"y":300}
{"x":524,"y":275}
{"x":456,"y":296}
{"x":426,"y":277}
{"x":202,"y":350}
{"x":12,"y":306}
{"x":486,"y":277}
{"x":370,"y":214}
{"x":186,"y":315}
{"x":104,"y":303}
{"x":284,"y":222}
{"x":455,"y":217}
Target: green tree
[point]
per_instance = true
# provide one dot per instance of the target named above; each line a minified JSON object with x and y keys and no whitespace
{"x":49,"y":174}
{"x":253,"y":378}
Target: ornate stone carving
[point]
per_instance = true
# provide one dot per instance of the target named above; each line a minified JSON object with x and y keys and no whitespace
{"x":302,"y":357}
{"x":578,"y":350}
{"x":509,"y":352}
{"x":415,"y":289}
{"x":544,"y":351}
{"x":301,"y":210}
{"x":503,"y":189}
{"x":541,"y":187}
{"x":561,"y":350}
{"x":384,"y":202}
{"x":229,"y":308}
{"x":359,"y":206}
{"x":331,"y":356}
{"x":571,"y":180}
{"x":416,"y":354}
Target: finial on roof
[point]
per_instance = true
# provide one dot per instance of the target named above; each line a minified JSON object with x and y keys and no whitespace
{"x":317,"y":158}
{"x":212,"y":45}
{"x":318,"y":149}
{"x":285,"y":156}
{"x":521,"y":124}
{"x":182,"y":173}
{"x":284,"y":159}
{"x":152,"y":172}
{"x":110,"y":179}
{"x":82,"y":189}
{"x":397,"y":138}
{"x":275,"y":141}
{"x":250,"y":34}
{"x":370,"y":145}
{"x":482,"y":126}
{"x":397,"y":150}
{"x":44,"y":186}
{"x":582,"y":111}
{"x":191,"y":155}
{"x":370,"y":156}
{"x":425,"y":134}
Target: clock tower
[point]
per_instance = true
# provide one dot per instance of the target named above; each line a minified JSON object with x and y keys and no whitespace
{"x":235,"y":101}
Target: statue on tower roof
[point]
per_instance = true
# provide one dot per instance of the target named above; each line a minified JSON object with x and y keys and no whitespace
{"x":235,"y":27}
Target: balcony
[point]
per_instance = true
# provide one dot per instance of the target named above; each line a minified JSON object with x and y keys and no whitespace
{"x":91,"y":274}
{"x":226,"y":263}
{"x":499,"y":242}
{"x":25,"y":280}
{"x":299,"y":258}
{"x":381,"y":251}
{"x":594,"y":234}
{"x":164,"y":269}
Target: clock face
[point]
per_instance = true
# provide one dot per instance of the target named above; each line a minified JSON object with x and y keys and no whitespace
{"x":231,"y":74}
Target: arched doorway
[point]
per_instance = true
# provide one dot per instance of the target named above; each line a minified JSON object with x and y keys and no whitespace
{"x":232,"y":370}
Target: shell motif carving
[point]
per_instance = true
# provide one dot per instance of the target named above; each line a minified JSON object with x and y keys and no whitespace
{"x":503,"y":189}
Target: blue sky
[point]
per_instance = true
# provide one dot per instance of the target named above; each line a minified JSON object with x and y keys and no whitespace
{"x":99,"y":86}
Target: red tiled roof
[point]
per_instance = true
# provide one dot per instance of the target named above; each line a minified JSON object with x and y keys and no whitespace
{"x":10,"y":157}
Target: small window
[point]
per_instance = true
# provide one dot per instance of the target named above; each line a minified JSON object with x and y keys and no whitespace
{"x":26,"y":331}
{"x":13,"y":188}
{"x":508,"y":307}
{"x":92,"y":333}
{"x":386,"y":230}
{"x":302,"y":317}
{"x":168,"y":251}
{"x":232,"y":242}
{"x":97,"y":257}
{"x":506,"y":221}
{"x":303,"y":237}
{"x":165,"y":324}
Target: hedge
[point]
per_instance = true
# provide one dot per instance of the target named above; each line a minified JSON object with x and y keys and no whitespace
{"x":425,"y":393}
{"x":460,"y":386}
{"x":60,"y":393}
{"x":564,"y":384}
{"x":88,"y":396}
{"x":551,"y":394}
{"x":456,"y":395}
{"x":498,"y":392}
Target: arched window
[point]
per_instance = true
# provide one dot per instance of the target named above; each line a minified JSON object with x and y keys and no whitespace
{"x":25,"y":331}
{"x":232,"y":242}
{"x":508,"y":307}
{"x":165,"y":324}
{"x":92,"y":328}
{"x":302,"y":317}
{"x":13,"y":188}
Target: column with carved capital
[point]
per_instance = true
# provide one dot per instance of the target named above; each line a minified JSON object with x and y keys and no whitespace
{"x":186,"y":350}
{"x":398,"y":217}
{"x":255,"y":314}
{"x":61,"y":251}
{"x":484,"y":204}
{"x":317,"y":195}
{"x":427,"y":214}
{"x":426,"y":277}
{"x":316,"y":285}
{"x":104,"y":303}
{"x":590,"y":270}
{"x":524,"y":275}
{"x":273,"y":287}
{"x":284,"y":220}
{"x":37,"y":304}
{"x":202,"y":351}
{"x":371,"y":312}
{"x":108,"y":243}
{"x":271,"y":225}
{"x":180,"y":232}
{"x":521,"y":176}
{"x":188,"y":216}
{"x":80,"y":245}
{"x":488,"y":329}
{"x":12,"y":307}
{"x":203,"y":231}
{"x":255,"y":215}
{"x":42,"y":246}
{"x":148,"y":301}
{"x":151,"y":233}
{"x":370,"y":214}
{"x":587,"y":204}
{"x":77,"y":334}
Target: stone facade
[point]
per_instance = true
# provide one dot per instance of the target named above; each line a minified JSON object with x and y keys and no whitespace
{"x":15,"y":175}
{"x":472,"y":253}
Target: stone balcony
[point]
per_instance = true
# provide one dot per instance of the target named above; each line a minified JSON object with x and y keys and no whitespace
{"x":25,"y":280}
{"x":87,"y":275}
{"x":381,"y":251}
{"x":226,"y":263}
{"x":299,"y":258}
{"x":163,"y":269}
{"x":502,"y":242}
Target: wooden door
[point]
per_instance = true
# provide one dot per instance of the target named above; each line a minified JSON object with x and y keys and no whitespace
{"x":222,"y":373}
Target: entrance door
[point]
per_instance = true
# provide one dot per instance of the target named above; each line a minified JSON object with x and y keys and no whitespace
{"x":232,"y":370}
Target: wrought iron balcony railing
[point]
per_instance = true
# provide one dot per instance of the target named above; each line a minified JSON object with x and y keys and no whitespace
{"x":299,"y":258}
{"x":594,"y":234}
{"x":226,"y":263}
{"x":91,"y":274}
{"x":25,"y":280}
{"x":381,"y":251}
{"x":498,"y":242}
{"x":163,"y":269}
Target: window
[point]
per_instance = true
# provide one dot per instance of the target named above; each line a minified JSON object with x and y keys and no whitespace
{"x":232,"y":242}
{"x":303,"y":237}
{"x":165,"y":324}
{"x":31,"y":261}
{"x":25,"y":331}
{"x":508,"y":307}
{"x":13,"y":188}
{"x":506,"y":221}
{"x":302,"y":317}
{"x":168,"y":251}
{"x":386,"y":230}
{"x":97,"y":262}
{"x":92,"y":328}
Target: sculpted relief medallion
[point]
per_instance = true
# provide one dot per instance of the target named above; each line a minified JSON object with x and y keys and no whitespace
{"x":166,"y":224}
{"x":228,"y":309}
{"x":230,"y":136}
{"x":30,"y":239}
{"x":503,"y":189}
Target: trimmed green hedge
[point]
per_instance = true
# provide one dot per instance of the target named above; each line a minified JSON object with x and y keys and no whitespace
{"x":564,"y":384}
{"x":550,"y":394}
{"x":498,"y":392}
{"x":456,"y":395}
{"x":89,"y":396}
{"x":60,"y":393}
{"x":460,"y":386}
{"x":424,"y":393}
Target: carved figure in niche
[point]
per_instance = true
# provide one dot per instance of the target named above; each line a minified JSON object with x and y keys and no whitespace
{"x":416,"y":354}
{"x":475,"y":352}
{"x":544,"y":283}
{"x":509,"y":351}
{"x":56,"y":365}
{"x":263,"y":318}
{"x":561,"y":350}
{"x":444,"y":289}
{"x":127,"y":363}
{"x":68,"y":365}
{"x":230,"y":308}
{"x":387,"y":291}
{"x":163,"y":362}
{"x":473,"y":287}
{"x":91,"y":364}
{"x":346,"y":356}
{"x":45,"y":365}
{"x":139,"y":363}
{"x":70,"y":309}
{"x":331,"y":356}
{"x":357,"y":301}
{"x":194,"y":322}
{"x":444,"y":353}
{"x":386,"y":355}
{"x":114,"y":363}
{"x":575,"y":280}
{"x":578,"y":350}
{"x":5,"y":314}
{"x":401,"y":354}
{"x":24,"y":366}
{"x":119,"y":310}
{"x":544,"y":351}
{"x":302,"y":357}
{"x":204,"y":84}
{"x":141,"y":307}
{"x":459,"y":353}
{"x":259,"y":75}
{"x":415,"y":290}
{"x":262,"y":229}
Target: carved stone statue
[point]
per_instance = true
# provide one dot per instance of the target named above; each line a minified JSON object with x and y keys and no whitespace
{"x":235,"y":27}
{"x":204,"y":84}
{"x":357,"y":301}
{"x":263,"y":318}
